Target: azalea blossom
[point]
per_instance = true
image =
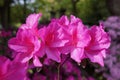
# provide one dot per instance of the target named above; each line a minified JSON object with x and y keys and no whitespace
{"x":84,"y":42}
{"x":61,"y":36}
{"x":26,"y":43}
{"x":76,"y":33}
{"x":100,"y":42}
{"x":53,"y":39}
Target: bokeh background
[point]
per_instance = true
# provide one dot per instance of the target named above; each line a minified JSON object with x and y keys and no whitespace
{"x":14,"y":12}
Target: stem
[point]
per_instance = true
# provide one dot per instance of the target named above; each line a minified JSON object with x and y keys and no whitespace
{"x":58,"y":72}
{"x":60,"y":65}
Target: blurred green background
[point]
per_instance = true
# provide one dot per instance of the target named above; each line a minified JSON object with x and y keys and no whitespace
{"x":14,"y":12}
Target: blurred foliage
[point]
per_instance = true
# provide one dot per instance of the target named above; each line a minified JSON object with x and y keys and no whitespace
{"x":52,"y":8}
{"x":1,"y":2}
{"x":90,"y":11}
{"x":19,"y":12}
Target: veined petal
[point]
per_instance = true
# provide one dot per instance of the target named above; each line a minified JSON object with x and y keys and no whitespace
{"x":36,"y":62}
{"x":59,"y":43}
{"x":15,"y":45}
{"x":27,"y":58}
{"x":98,"y":58}
{"x":32,"y":20}
{"x":53,"y":54}
{"x":23,"y":57}
{"x":84,"y":40}
{"x":77,"y":54}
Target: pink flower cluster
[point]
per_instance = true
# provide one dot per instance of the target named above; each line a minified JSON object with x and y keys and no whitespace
{"x":61,"y":36}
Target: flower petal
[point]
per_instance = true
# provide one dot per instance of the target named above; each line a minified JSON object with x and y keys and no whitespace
{"x":36,"y":62}
{"x":96,"y":58}
{"x":77,"y":54}
{"x":53,"y":54}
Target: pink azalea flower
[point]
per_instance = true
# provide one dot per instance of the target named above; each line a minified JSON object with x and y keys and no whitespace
{"x":77,"y":35}
{"x":63,"y":23}
{"x":100,"y":41}
{"x":53,"y":39}
{"x":27,"y":44}
{"x":10,"y":70}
